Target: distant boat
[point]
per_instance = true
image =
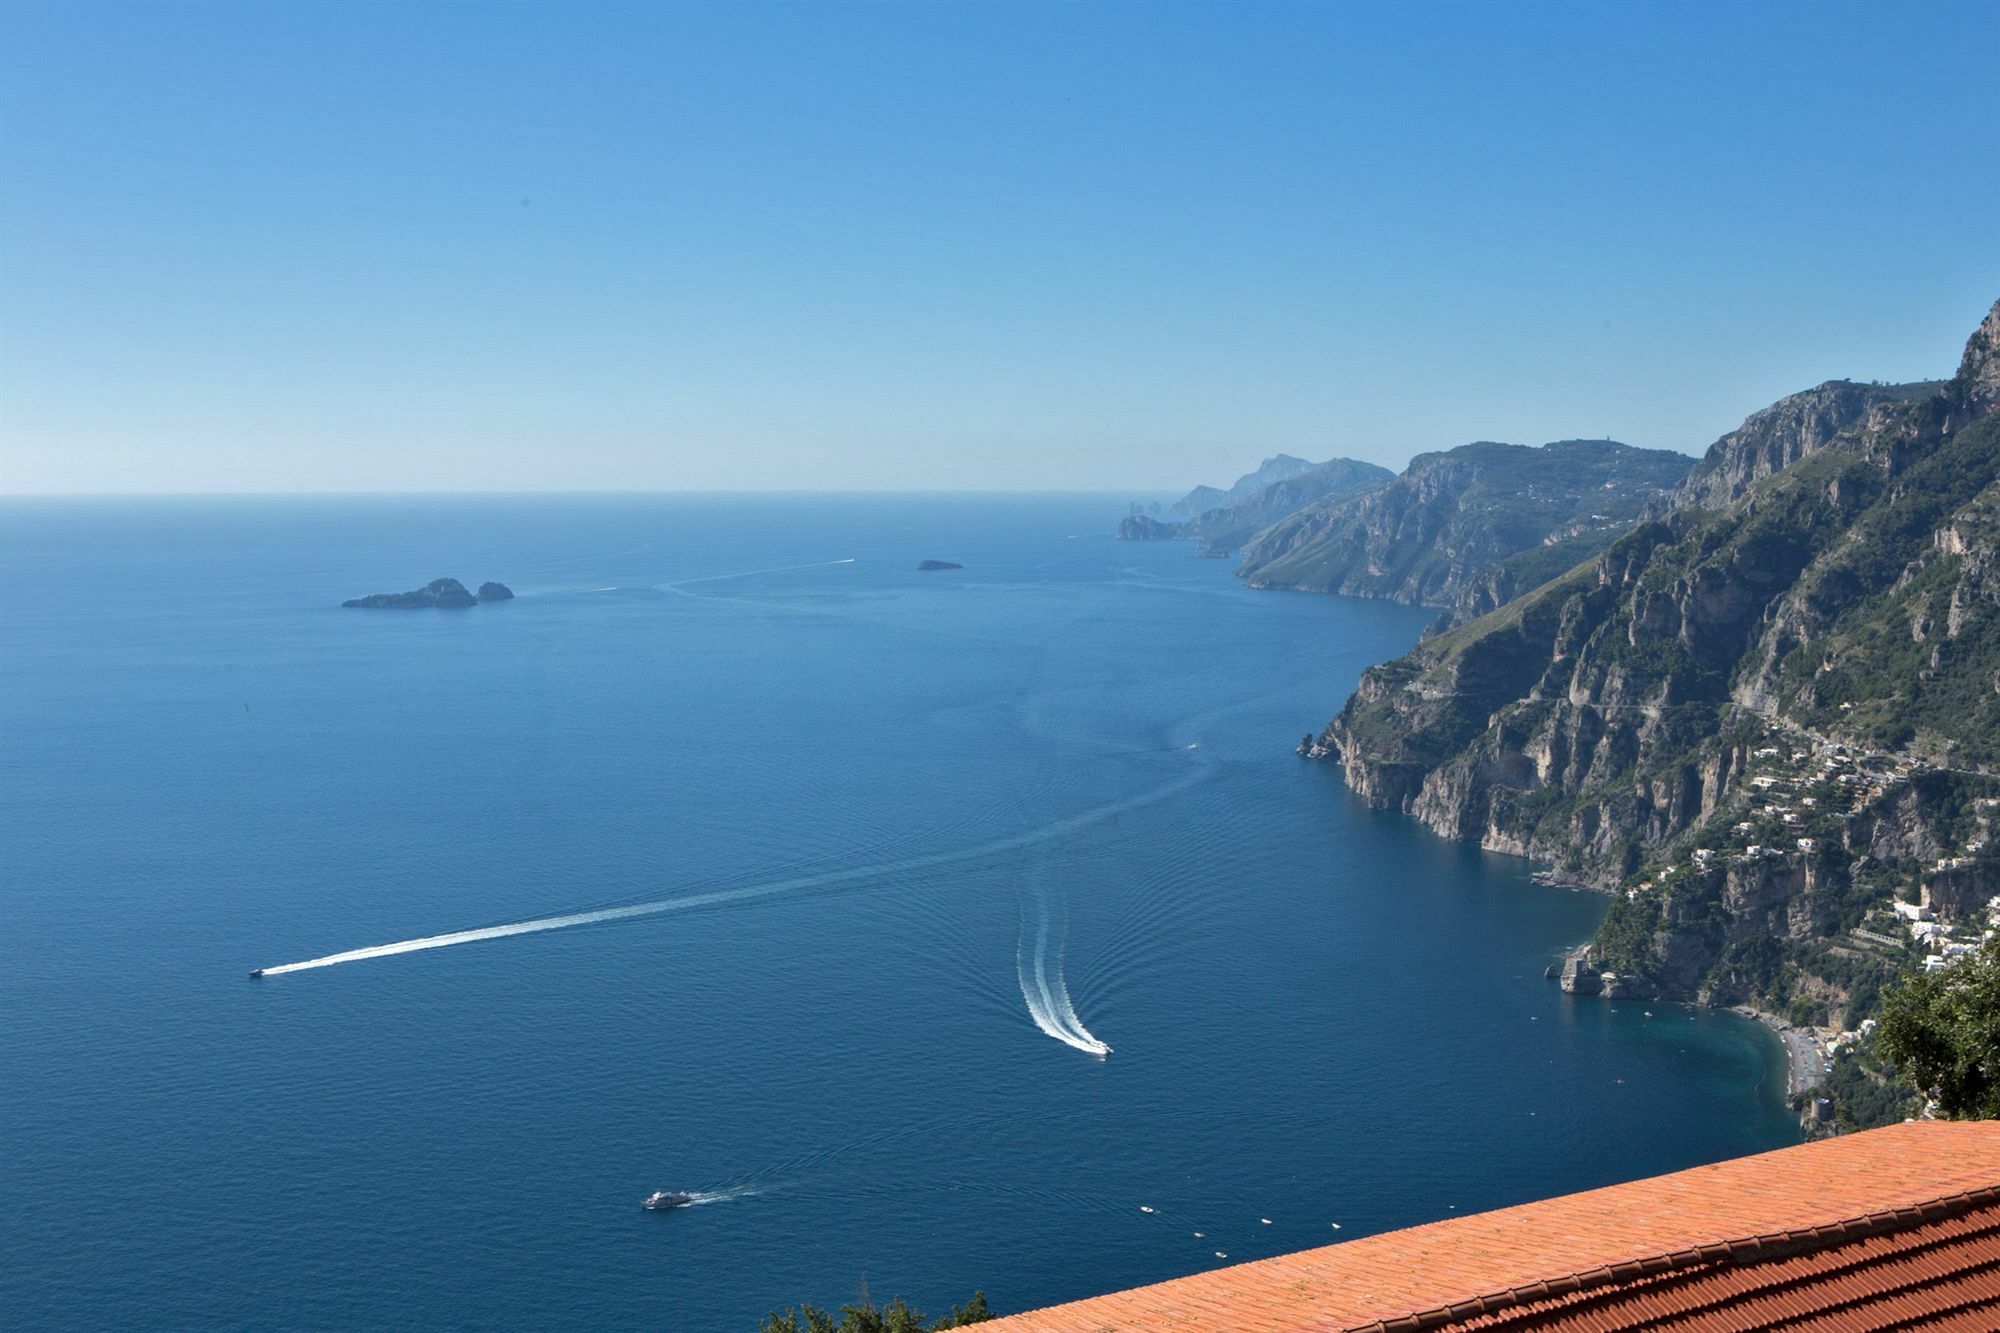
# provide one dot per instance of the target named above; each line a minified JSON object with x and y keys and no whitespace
{"x":258,"y":973}
{"x":660,"y":1200}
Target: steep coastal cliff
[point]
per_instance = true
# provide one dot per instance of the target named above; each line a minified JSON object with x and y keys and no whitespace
{"x":1229,"y":526}
{"x":1278,"y":467}
{"x":1247,"y":509}
{"x":1471,"y":526}
{"x":1762,"y":716}
{"x":1791,"y":429}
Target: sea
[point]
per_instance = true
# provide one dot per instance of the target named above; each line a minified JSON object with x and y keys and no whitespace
{"x":935,"y":930}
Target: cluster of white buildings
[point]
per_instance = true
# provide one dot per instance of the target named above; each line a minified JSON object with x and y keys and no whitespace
{"x":1941,"y":950}
{"x":1864,"y":777}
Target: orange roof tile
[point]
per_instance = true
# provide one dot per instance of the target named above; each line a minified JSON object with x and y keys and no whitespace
{"x":1856,"y":1232}
{"x":1881,"y":1278}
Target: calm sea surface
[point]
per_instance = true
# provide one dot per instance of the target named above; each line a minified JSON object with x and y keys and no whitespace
{"x":918,"y":843}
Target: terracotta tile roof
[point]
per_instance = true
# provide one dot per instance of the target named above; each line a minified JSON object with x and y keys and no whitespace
{"x":1892,"y":1276}
{"x":1898,"y":1227}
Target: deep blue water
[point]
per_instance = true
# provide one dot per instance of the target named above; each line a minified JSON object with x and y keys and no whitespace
{"x":1317,"y":1014}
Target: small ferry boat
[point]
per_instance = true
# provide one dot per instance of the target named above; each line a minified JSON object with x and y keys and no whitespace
{"x":661,"y":1199}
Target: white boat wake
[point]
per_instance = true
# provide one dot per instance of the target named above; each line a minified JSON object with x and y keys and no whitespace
{"x":824,"y":879}
{"x":1040,"y":968}
{"x":680,"y":585}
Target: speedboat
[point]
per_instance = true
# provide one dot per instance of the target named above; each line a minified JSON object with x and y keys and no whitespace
{"x":663,"y":1199}
{"x":258,"y":973}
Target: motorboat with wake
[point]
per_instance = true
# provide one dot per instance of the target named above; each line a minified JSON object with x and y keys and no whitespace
{"x":661,"y":1200}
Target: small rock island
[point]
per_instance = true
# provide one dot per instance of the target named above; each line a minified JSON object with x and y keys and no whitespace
{"x":441,"y":594}
{"x":939,"y":564}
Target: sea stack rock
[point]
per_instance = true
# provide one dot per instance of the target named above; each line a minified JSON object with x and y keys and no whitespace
{"x":495,"y":592}
{"x":939,"y":564}
{"x":439,"y":593}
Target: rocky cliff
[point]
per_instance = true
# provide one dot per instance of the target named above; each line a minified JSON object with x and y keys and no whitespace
{"x":1757,"y":715}
{"x":1229,"y":525}
{"x":1791,"y":429}
{"x":1199,"y":500}
{"x":1242,"y":514}
{"x":1483,"y":522}
{"x":1278,"y":467}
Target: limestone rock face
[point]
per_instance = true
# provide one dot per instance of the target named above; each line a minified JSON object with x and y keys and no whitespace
{"x":1199,"y":500}
{"x":1241,"y":517}
{"x":1205,"y":499}
{"x":1281,"y":487}
{"x":1831,"y":569}
{"x":1472,"y":526}
{"x":1278,"y":467}
{"x":1979,"y":369}
{"x":1791,"y":429}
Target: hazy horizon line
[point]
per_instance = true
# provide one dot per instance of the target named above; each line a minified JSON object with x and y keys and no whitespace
{"x":552,"y":491}
{"x":1128,"y":492}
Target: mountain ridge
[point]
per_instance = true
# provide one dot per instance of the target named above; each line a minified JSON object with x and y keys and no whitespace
{"x":1278,"y":467}
{"x":1444,"y":531}
{"x":1220,"y":528}
{"x":1815,"y":613}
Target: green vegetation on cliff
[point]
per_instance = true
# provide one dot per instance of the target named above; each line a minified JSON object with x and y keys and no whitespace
{"x":1758,"y":714}
{"x":1904,"y":651}
{"x":1480,"y":522}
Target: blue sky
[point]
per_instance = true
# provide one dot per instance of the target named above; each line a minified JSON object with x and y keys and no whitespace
{"x":1128,"y":247}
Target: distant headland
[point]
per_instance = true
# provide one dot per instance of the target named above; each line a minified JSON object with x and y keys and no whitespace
{"x":442,"y":594}
{"x":939,"y":564}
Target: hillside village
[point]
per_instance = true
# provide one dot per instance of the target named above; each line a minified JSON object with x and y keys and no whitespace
{"x":1803,"y":831}
{"x":1798,"y":832}
{"x":1764,"y":720}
